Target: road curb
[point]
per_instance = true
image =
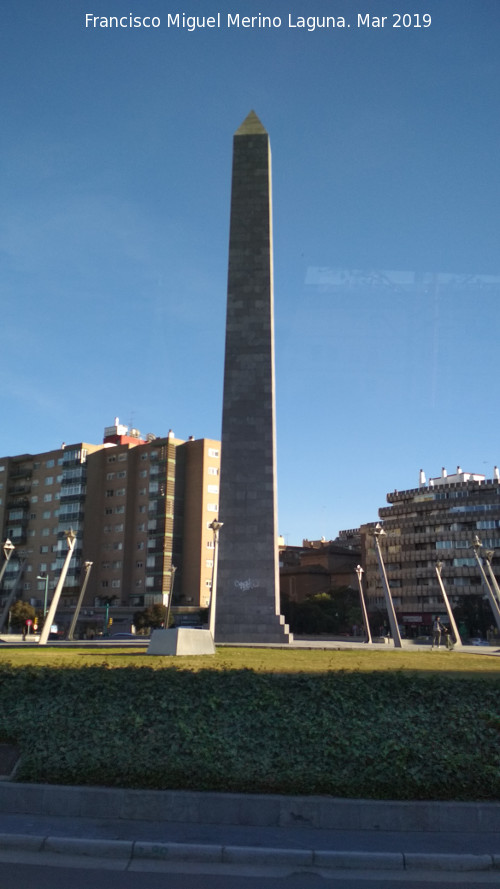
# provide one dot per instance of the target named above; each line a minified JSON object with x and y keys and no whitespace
{"x":326,"y":859}
{"x":248,"y":810}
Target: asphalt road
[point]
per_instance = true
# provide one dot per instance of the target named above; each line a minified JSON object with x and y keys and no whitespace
{"x":37,"y":876}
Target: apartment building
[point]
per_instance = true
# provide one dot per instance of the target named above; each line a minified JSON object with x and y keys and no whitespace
{"x":435,"y":522}
{"x":141,"y":509}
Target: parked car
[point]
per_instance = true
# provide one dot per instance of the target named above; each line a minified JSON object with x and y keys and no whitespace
{"x":126,"y":636}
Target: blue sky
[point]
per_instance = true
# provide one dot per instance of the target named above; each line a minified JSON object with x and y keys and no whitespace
{"x":115,"y":152}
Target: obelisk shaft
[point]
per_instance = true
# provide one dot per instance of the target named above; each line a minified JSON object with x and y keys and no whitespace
{"x":248,"y":585}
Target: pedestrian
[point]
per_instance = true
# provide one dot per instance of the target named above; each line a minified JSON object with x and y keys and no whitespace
{"x":437,"y":629}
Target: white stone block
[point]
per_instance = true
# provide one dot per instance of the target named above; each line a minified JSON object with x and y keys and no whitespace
{"x":181,"y":641}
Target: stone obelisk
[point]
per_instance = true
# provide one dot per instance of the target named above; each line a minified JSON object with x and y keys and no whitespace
{"x":247,"y":603}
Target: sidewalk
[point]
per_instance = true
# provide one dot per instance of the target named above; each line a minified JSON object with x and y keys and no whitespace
{"x":220,"y":829}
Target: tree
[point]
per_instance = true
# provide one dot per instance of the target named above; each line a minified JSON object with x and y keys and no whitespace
{"x":334,"y":612}
{"x":151,"y":618}
{"x":20,"y":613}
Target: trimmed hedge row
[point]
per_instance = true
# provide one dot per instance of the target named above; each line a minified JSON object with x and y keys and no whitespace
{"x":378,"y":735}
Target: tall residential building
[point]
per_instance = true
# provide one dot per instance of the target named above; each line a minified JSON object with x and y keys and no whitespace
{"x":140,"y":507}
{"x":436,"y":522}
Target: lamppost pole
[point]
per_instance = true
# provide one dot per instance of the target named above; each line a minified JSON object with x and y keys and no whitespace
{"x":377,"y":533}
{"x":477,"y":546}
{"x":8,"y":548}
{"x":488,"y":555}
{"x":87,"y":566}
{"x":173,"y":569}
{"x":44,"y":577}
{"x":458,"y":641}
{"x":44,"y":635}
{"x":12,"y":594}
{"x":359,"y":572}
{"x":215,"y":526}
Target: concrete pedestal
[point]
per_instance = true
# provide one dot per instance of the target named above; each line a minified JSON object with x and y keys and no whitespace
{"x":181,"y":641}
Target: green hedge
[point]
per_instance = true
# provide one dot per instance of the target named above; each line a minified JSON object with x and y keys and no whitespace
{"x":379,"y":735}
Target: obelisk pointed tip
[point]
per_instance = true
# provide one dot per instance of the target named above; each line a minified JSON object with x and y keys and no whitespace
{"x":250,"y":126}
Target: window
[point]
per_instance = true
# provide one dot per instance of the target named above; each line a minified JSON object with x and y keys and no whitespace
{"x":213,"y":489}
{"x":110,"y":475}
{"x":212,"y":470}
{"x":121,"y":474}
{"x":110,"y":493}
{"x":49,"y":480}
{"x":209,"y":563}
{"x":46,"y":514}
{"x":50,"y":463}
{"x":47,"y":498}
{"x":212,"y":507}
{"x":212,"y":452}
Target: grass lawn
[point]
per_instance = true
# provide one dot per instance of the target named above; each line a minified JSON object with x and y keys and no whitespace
{"x":351,"y":723}
{"x":262,"y":660}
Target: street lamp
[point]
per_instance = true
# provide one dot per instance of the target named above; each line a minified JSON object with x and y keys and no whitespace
{"x":477,"y":546}
{"x":377,"y":533}
{"x":215,"y":526}
{"x":71,"y":541}
{"x":359,"y":572}
{"x":173,"y":569}
{"x":44,"y":577}
{"x":87,"y":568}
{"x":12,"y":594}
{"x":488,"y":555}
{"x":8,"y":548}
{"x":458,"y":641}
